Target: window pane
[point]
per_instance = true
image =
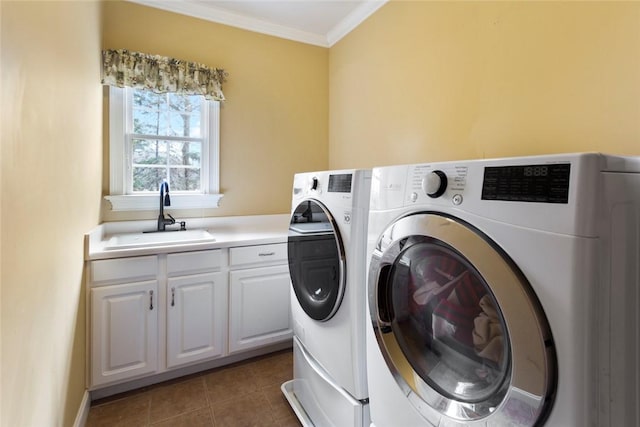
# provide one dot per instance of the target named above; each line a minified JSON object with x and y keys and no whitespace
{"x":167,"y":114}
{"x":148,"y":178}
{"x":149,"y":152}
{"x":185,"y":112}
{"x":185,"y":153}
{"x":195,"y":130}
{"x":150,"y":112}
{"x":187,"y":103}
{"x":185,"y":179}
{"x":146,"y":99}
{"x":149,"y":122}
{"x":183,"y":124}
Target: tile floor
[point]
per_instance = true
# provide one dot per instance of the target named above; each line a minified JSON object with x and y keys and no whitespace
{"x":240,"y":395}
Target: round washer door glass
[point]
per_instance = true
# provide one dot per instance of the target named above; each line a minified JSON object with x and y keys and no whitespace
{"x":458,"y":324}
{"x":316,"y":260}
{"x":447,"y":323}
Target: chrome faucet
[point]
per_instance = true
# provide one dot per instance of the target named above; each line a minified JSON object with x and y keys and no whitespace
{"x":164,"y":201}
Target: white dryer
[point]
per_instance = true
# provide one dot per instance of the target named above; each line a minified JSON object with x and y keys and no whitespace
{"x":505,"y":293}
{"x":327,"y":246}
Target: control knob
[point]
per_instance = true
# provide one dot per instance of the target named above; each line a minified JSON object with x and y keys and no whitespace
{"x":314,"y":183}
{"x":435,"y":184}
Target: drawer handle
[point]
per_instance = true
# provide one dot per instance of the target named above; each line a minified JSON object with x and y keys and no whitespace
{"x":266,"y":253}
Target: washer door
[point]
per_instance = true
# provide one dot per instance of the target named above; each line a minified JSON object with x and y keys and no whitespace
{"x":458,"y":325}
{"x":316,"y":260}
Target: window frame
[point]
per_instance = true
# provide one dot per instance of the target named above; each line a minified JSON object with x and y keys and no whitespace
{"x":120,"y":123}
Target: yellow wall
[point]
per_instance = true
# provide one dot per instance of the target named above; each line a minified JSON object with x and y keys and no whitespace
{"x":275,"y":120}
{"x":51,"y":176}
{"x":423,"y":81}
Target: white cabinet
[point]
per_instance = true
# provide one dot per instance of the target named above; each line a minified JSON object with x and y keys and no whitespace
{"x":124,"y":318}
{"x":259,"y":308}
{"x":196,"y":308}
{"x":157,"y":313}
{"x":141,"y":306}
{"x":196,"y":318}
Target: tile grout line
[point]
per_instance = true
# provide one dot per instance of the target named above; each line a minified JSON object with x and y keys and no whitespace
{"x":149,"y":409}
{"x":209,"y":402}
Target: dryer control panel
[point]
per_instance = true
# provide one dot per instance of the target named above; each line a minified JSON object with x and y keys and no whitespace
{"x":340,"y":183}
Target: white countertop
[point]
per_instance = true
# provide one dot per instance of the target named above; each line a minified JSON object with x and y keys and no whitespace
{"x":227,"y":232}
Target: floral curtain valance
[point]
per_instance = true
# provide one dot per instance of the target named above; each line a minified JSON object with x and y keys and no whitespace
{"x":161,"y":74}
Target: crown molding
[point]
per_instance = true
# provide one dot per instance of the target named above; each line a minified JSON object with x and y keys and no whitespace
{"x":352,"y":20}
{"x":221,"y":16}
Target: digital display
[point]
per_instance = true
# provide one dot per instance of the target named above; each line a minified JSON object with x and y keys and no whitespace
{"x":536,"y":170}
{"x":529,"y":183}
{"x":340,"y":183}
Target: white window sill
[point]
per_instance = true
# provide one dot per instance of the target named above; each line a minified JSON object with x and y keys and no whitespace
{"x":152,"y":201}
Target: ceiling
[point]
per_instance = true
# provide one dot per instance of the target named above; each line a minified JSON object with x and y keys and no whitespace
{"x":317,"y":22}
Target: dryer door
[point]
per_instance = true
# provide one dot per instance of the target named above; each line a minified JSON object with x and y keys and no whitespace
{"x":316,"y":260}
{"x":459,"y":326}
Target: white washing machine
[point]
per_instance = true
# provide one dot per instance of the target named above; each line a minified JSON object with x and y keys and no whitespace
{"x":505,"y":293}
{"x":327,"y":245}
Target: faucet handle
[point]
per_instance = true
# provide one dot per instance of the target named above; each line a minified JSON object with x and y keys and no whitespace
{"x":172,"y":219}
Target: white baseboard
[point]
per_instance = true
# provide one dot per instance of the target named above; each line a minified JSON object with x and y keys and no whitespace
{"x":83,"y":411}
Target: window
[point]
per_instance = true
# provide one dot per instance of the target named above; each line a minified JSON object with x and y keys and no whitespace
{"x":156,"y":137}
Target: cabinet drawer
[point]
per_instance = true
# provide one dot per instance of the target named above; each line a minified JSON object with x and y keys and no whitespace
{"x":129,"y":269}
{"x":194,"y":262}
{"x":257,"y":254}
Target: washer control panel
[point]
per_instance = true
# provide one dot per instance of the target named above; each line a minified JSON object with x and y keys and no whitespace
{"x":445,"y":183}
{"x":542,"y":183}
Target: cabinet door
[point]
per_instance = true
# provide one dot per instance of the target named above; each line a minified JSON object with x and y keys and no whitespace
{"x":196,"y":317}
{"x":260,"y":307}
{"x":124,"y":331}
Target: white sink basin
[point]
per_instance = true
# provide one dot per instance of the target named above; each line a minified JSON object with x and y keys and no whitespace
{"x":161,"y":238}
